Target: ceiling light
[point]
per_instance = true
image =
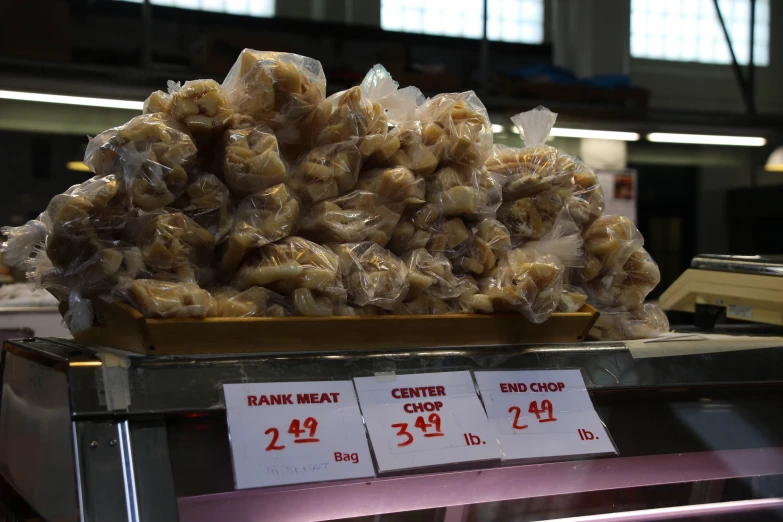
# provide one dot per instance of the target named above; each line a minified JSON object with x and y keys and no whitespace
{"x":77,"y":166}
{"x":560,"y":132}
{"x":497,"y":129}
{"x":705,"y":139}
{"x":514,"y":130}
{"x":71,"y":100}
{"x":775,"y":161}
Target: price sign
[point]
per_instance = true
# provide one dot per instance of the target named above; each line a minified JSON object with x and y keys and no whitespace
{"x":542,"y":413}
{"x":295,"y":432}
{"x":425,"y":419}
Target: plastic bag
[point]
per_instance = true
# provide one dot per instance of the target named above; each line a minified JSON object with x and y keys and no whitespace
{"x":572,"y":299}
{"x":372,"y":275}
{"x":461,"y":122}
{"x":206,"y":201}
{"x":587,"y":203}
{"x":353,"y":218}
{"x":419,"y":151}
{"x":525,"y":281}
{"x":255,"y":301}
{"x":427,"y":304}
{"x":173,"y":246}
{"x":276,"y":88}
{"x":645,"y":322}
{"x":260,"y":219}
{"x":531,"y":217}
{"x":450,"y":237}
{"x":202,"y":106}
{"x":610,"y":239}
{"x":464,"y":191}
{"x":393,"y":183}
{"x":349,"y":114}
{"x":293,"y":263}
{"x":490,"y":240}
{"x":154,"y":155}
{"x":400,"y":104}
{"x":433,"y":274}
{"x":415,"y":228}
{"x":251,"y":160}
{"x":170,"y":299}
{"x":626,"y":285}
{"x":326,"y":172}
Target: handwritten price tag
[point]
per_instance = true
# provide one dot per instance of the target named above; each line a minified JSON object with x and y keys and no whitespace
{"x":425,"y":419}
{"x":295,"y":432}
{"x":544,"y":413}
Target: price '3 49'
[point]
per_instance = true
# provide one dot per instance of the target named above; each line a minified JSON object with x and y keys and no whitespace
{"x":433,"y":421}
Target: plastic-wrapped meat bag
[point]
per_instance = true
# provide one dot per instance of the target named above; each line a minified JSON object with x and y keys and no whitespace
{"x":154,"y":155}
{"x":327,"y":172}
{"x":173,"y":246}
{"x":260,"y":219}
{"x":610,"y":238}
{"x":349,"y":114}
{"x":206,"y":201}
{"x":461,"y":122}
{"x":290,"y":264}
{"x":433,"y":274}
{"x":393,"y":183}
{"x":490,"y":240}
{"x":276,"y":88}
{"x":372,"y":275}
{"x":415,"y":228}
{"x":526,"y":281}
{"x":587,"y":203}
{"x":353,"y":218}
{"x":464,"y":191}
{"x":626,"y":285}
{"x":418,"y":151}
{"x":450,"y":237}
{"x":251,"y":160}
{"x":645,"y":322}
{"x":572,"y":299}
{"x":170,"y":299}
{"x":255,"y":301}
{"x":531,"y":217}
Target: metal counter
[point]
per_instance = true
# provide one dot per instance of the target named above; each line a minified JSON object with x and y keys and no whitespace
{"x":146,"y":437}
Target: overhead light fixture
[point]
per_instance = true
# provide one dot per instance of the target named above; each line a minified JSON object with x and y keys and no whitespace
{"x":775,"y":161}
{"x":560,"y":132}
{"x":71,"y":100}
{"x":78,"y":166}
{"x":497,"y":129}
{"x":706,"y":139}
{"x":514,"y":130}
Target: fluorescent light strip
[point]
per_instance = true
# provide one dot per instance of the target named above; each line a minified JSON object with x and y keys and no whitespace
{"x":706,"y":139}
{"x":71,"y":100}
{"x":560,"y":132}
{"x":497,"y":129}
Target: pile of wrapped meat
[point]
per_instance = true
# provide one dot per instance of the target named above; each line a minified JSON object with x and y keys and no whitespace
{"x":261,"y":196}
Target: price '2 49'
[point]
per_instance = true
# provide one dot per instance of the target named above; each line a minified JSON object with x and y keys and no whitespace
{"x":544,"y":410}
{"x":297,"y":429}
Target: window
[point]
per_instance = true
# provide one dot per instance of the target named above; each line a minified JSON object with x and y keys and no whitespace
{"x":689,"y":31}
{"x":237,"y":7}
{"x":508,"y":20}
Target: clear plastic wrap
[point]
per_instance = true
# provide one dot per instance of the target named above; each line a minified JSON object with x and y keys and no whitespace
{"x":464,"y":191}
{"x":201,"y":106}
{"x":372,"y":275}
{"x":400,"y":104}
{"x":173,"y":246}
{"x":395,"y":184}
{"x":460,"y":120}
{"x":450,"y":237}
{"x":206,"y":201}
{"x":293,"y":263}
{"x":158,"y":101}
{"x":415,"y":228}
{"x":327,"y":172}
{"x":645,"y":322}
{"x":170,"y":299}
{"x":353,"y":218}
{"x":434,"y":275}
{"x":427,"y":304}
{"x":251,"y":160}
{"x":625,"y":286}
{"x":526,"y":281}
{"x":277,"y":88}
{"x":418,"y":151}
{"x":260,"y":219}
{"x":572,"y":299}
{"x":490,"y":240}
{"x":255,"y":301}
{"x":525,"y":171}
{"x":531,"y":217}
{"x":587,"y":203}
{"x":610,"y":238}
{"x":154,"y":155}
{"x":94,"y":210}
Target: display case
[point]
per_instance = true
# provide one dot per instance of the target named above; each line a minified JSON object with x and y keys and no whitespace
{"x":94,"y":434}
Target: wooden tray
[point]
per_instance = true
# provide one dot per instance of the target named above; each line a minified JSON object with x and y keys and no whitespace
{"x":125,"y":328}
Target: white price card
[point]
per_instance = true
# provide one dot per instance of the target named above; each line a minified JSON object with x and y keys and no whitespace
{"x":542,"y":413}
{"x":295,"y":432}
{"x":425,"y":419}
